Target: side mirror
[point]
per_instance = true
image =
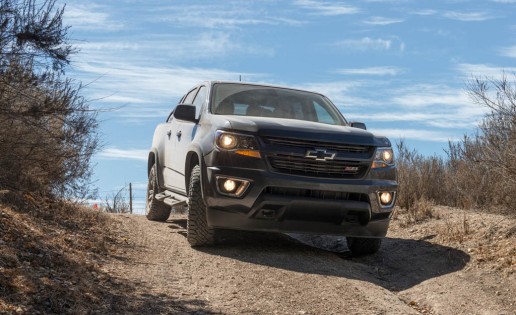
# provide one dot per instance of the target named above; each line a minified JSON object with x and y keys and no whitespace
{"x":360,"y":125}
{"x":185,"y":112}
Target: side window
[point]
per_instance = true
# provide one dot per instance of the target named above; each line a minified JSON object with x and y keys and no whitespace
{"x":199,"y":99}
{"x":189,"y":97}
{"x":171,"y":116}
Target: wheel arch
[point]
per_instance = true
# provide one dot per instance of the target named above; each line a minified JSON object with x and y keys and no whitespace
{"x":152,"y":159}
{"x":194,"y":157}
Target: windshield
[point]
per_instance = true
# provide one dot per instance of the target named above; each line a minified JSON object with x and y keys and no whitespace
{"x":263,"y":101}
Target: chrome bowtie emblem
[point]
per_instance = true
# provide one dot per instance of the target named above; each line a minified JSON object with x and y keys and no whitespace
{"x":320,"y":155}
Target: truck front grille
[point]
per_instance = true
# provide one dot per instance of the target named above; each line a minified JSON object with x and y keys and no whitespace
{"x":301,"y":165}
{"x":320,"y":144}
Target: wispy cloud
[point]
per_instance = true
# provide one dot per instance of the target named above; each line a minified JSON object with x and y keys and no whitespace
{"x":447,"y":119}
{"x":342,"y":93}
{"x":423,"y":95}
{"x":124,"y":154}
{"x":469,"y":70}
{"x":220,"y":16}
{"x":437,"y":106}
{"x":468,"y":16}
{"x":509,"y":51}
{"x":156,"y":49}
{"x":130,"y":83}
{"x":416,"y":134}
{"x":425,"y":12}
{"x":365,"y":43}
{"x":90,"y":17}
{"x":375,"y":71}
{"x":379,"y":20}
{"x":327,"y":8}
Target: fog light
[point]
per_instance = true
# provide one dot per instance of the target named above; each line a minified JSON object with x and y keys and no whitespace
{"x":234,"y":187}
{"x":229,"y":185}
{"x":386,"y":198}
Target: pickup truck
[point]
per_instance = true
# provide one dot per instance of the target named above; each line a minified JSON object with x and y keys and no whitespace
{"x":266,"y":158}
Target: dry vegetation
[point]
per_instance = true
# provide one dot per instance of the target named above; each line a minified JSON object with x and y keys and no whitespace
{"x":50,"y":254}
{"x":490,"y":239}
{"x":479,"y":171}
{"x":47,"y":130}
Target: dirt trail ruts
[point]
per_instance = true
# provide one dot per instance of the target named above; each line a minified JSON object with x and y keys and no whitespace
{"x":258,"y":273}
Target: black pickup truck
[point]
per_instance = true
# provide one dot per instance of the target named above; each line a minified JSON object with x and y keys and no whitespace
{"x":266,"y":158}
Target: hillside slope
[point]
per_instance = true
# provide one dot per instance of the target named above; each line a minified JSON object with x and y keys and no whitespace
{"x":55,"y":258}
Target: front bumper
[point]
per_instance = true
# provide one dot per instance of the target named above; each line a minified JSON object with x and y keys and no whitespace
{"x":291,"y":203}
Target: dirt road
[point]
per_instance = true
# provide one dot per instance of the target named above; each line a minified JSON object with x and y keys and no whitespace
{"x":251,"y":273}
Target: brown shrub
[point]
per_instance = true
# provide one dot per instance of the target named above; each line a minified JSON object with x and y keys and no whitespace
{"x":480,"y":170}
{"x":47,"y":131}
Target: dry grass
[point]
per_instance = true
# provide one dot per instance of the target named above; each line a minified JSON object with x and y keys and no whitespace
{"x":455,"y":230}
{"x":421,"y":210}
{"x":490,"y":239}
{"x":49,"y":256}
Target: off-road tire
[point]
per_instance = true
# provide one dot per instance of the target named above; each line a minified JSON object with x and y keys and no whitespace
{"x":198,"y":233}
{"x":361,"y":246}
{"x":155,"y":210}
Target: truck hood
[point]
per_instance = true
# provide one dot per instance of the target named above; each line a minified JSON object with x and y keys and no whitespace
{"x":300,"y":129}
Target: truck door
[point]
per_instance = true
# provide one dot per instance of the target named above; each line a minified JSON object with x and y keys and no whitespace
{"x":184,"y":135}
{"x":173,"y":175}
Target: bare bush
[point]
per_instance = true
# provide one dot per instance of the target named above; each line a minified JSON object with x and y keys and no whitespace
{"x":480,"y":170}
{"x":47,"y":131}
{"x":420,"y":177}
{"x":117,"y":202}
{"x":484,"y":164}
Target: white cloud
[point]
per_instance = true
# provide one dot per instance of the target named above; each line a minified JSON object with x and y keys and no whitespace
{"x":377,"y":71}
{"x":467,"y":16}
{"x":127,"y":82}
{"x":509,"y":51}
{"x":220,"y":16}
{"x":340,"y":92}
{"x":436,"y":106}
{"x":469,"y":70}
{"x":425,"y":12}
{"x":124,"y":154}
{"x":90,"y":17}
{"x":424,"y":95}
{"x":416,"y":134}
{"x":327,"y":8}
{"x":440,"y":119}
{"x":366,"y":43}
{"x":157,"y":49}
{"x":379,"y":20}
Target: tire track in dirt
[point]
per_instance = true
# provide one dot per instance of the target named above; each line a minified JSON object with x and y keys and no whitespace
{"x":258,"y":273}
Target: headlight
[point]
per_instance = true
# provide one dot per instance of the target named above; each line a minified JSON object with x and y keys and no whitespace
{"x":227,"y":141}
{"x":237,"y":143}
{"x":383,"y":157}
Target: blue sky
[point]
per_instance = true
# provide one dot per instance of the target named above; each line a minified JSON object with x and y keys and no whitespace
{"x":400,"y":66}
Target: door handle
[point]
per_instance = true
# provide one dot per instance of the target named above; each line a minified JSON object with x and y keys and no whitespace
{"x":179,"y":133}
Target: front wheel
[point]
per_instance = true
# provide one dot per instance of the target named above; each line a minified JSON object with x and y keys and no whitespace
{"x":363,"y":245}
{"x":198,"y":232}
{"x":155,"y":210}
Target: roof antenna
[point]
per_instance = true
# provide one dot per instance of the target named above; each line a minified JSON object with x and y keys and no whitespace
{"x":240,"y":78}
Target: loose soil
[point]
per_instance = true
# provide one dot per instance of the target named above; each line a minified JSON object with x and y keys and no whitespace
{"x":455,"y":263}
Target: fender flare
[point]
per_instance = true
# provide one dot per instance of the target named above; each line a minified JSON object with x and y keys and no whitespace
{"x":154,"y":159}
{"x":195,"y":155}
